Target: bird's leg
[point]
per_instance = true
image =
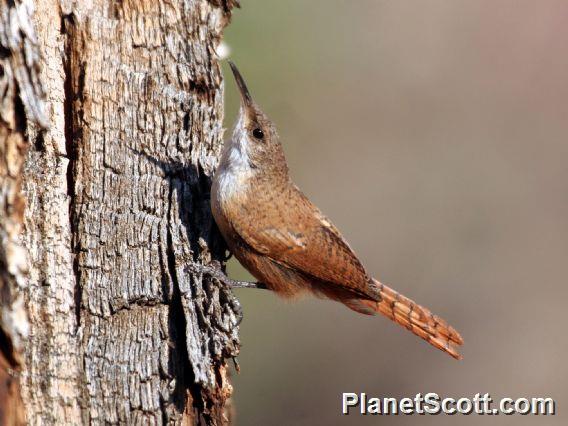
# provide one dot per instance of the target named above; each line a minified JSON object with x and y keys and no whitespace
{"x":214,"y":271}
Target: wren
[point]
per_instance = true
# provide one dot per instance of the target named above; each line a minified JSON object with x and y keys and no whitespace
{"x":286,"y":242}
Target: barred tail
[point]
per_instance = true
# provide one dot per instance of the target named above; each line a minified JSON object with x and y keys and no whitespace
{"x":415,"y":318}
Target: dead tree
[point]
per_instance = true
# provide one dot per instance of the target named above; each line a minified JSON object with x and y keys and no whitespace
{"x":110,"y":129}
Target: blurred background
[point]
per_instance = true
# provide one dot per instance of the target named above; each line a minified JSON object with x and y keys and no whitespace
{"x":434,"y":135}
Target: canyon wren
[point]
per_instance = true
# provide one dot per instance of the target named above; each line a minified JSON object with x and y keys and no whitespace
{"x":285,"y":241}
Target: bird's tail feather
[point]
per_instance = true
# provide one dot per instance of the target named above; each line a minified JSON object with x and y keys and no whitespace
{"x":413,"y":317}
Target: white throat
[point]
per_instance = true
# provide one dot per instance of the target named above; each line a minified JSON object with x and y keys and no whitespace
{"x":234,"y":168}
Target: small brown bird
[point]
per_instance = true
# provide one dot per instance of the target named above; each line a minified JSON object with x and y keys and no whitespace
{"x":286,"y":243}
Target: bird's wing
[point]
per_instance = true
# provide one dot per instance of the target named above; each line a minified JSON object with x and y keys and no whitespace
{"x":306,"y":240}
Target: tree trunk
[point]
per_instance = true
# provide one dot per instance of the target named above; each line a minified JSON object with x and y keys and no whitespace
{"x":116,"y":184}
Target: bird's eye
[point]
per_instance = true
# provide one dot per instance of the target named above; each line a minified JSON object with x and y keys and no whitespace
{"x":258,"y":133}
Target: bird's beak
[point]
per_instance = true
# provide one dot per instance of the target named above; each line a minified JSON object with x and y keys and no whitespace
{"x":246,"y":98}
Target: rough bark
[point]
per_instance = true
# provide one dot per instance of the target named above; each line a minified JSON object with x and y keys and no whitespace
{"x":20,"y":101}
{"x":117,"y":191}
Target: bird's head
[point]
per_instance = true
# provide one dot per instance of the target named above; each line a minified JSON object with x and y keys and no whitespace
{"x":254,"y":138}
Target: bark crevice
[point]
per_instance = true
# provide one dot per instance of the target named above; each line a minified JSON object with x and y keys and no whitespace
{"x":71,"y":134}
{"x":178,"y":324}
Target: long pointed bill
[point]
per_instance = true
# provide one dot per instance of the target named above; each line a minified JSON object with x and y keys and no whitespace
{"x":245,"y":94}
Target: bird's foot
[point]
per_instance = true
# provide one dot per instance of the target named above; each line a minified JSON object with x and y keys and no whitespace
{"x":214,"y":270}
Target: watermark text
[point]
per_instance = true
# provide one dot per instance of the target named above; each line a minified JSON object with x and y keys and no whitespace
{"x":432,"y":403}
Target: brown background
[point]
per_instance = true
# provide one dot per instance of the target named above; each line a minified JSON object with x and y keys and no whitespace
{"x":434,"y":135}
